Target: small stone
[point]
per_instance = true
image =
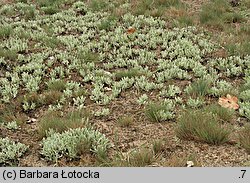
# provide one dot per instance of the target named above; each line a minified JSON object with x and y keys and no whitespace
{"x":190,"y":164}
{"x":31,"y":120}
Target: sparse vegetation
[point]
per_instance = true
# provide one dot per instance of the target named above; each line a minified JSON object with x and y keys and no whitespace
{"x":175,"y":161}
{"x":137,"y":71}
{"x":136,"y":158}
{"x":125,"y":121}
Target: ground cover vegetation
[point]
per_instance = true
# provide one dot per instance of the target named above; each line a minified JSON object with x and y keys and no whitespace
{"x":124,"y":83}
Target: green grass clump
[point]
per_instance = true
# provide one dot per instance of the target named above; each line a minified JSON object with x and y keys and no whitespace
{"x":88,"y":56}
{"x":56,"y":85}
{"x":239,"y":48}
{"x":141,"y":158}
{"x":128,"y":73}
{"x":46,"y":3}
{"x":199,"y":88}
{"x":158,"y":146}
{"x":185,"y":21}
{"x":67,"y":144}
{"x":5,"y":31}
{"x":54,"y":120}
{"x":8,"y":113}
{"x":51,"y":120}
{"x":108,"y":23}
{"x":155,"y":7}
{"x":245,"y":4}
{"x":214,"y":10}
{"x":202,"y":126}
{"x":223,"y":114}
{"x":28,"y":12}
{"x":233,"y":17}
{"x":244,"y":138}
{"x":98,"y":5}
{"x":50,"y":10}
{"x":10,"y":151}
{"x":8,"y":54}
{"x":52,"y":41}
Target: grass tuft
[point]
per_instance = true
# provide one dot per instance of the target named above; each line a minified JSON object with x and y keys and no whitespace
{"x":244,"y":138}
{"x":54,"y":120}
{"x":141,"y":158}
{"x":199,"y":88}
{"x":128,"y":73}
{"x":158,"y":146}
{"x":202,"y":126}
{"x":5,"y":31}
{"x":152,"y":111}
{"x":223,"y":114}
{"x":56,"y":85}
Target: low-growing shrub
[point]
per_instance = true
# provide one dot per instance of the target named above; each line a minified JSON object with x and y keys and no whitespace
{"x":10,"y":151}
{"x":67,"y":144}
{"x":195,"y":103}
{"x":245,"y":100}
